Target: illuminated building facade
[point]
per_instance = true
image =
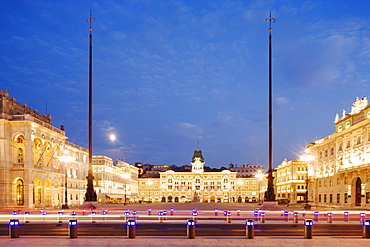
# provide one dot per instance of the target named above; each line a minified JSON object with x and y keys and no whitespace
{"x":291,"y":181}
{"x":196,"y":185}
{"x":339,"y":164}
{"x":40,"y":169}
{"x":37,"y":164}
{"x":246,"y":170}
{"x":115,"y":183}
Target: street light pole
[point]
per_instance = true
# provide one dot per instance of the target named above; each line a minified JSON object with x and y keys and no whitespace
{"x":65,"y":158}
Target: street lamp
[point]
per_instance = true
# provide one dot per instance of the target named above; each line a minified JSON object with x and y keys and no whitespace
{"x":307,"y":157}
{"x":259,"y":175}
{"x":149,"y":183}
{"x":65,"y":158}
{"x":239,"y":183}
{"x":127,"y":186}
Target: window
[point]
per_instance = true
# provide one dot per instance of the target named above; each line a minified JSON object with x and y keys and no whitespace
{"x":348,"y":143}
{"x":20,"y":156}
{"x":338,"y":198}
{"x":340,"y":146}
{"x":331,"y":198}
{"x":345,"y":198}
{"x":320,"y":198}
{"x":19,"y":188}
{"x":324,"y":198}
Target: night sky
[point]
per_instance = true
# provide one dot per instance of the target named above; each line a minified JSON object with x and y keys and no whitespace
{"x":171,"y":74}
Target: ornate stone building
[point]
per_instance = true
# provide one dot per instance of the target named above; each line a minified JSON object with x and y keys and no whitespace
{"x":291,"y":181}
{"x":40,"y":169}
{"x":339,"y":164}
{"x":200,"y":186}
{"x":115,"y":182}
{"x":36,"y":161}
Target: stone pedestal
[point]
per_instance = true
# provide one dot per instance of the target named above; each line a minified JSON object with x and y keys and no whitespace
{"x":270,"y":206}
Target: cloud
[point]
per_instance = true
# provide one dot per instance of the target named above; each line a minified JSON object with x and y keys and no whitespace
{"x":105,"y":125}
{"x":282,"y":103}
{"x":189,"y":131}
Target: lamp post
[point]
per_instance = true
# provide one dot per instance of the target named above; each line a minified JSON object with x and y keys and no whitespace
{"x":307,"y":157}
{"x":259,"y":175}
{"x":239,"y":183}
{"x":65,"y":158}
{"x":127,"y":186}
{"x":149,"y":183}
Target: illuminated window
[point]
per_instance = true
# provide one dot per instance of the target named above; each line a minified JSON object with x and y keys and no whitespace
{"x":19,"y":192}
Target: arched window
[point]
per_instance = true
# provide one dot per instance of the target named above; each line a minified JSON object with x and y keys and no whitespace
{"x":19,"y":140}
{"x":20,"y":156}
{"x":19,"y":192}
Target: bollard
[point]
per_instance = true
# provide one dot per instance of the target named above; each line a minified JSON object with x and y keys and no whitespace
{"x":83,"y":212}
{"x":44,"y":213}
{"x":362,"y":217}
{"x":216,"y":211}
{"x":308,"y":225}
{"x":171,"y":211}
{"x":295,"y":217}
{"x":282,"y":211}
{"x":134,"y":213}
{"x":131,"y":228}
{"x":346,"y":216}
{"x":366,"y":229}
{"x":104,"y":212}
{"x":92,"y":217}
{"x":249,"y":230}
{"x":190,"y":230}
{"x":256,"y":213}
{"x":262,"y":215}
{"x":14,"y":228}
{"x":59,"y":217}
{"x":225,"y":215}
{"x":303,"y":213}
{"x":149,"y":211}
{"x":316,"y":216}
{"x":228,"y":216}
{"x":330,"y":217}
{"x":195,"y":214}
{"x":26,"y":220}
{"x":238,"y":212}
{"x":126,"y":214}
{"x":160,"y":214}
{"x":286,"y":215}
{"x":72,"y":228}
{"x":165,"y":215}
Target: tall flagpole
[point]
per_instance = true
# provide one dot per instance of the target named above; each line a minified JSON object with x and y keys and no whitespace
{"x":270,"y":193}
{"x":90,"y":195}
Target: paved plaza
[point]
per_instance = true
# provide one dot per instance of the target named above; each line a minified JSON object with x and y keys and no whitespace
{"x":182,"y":241}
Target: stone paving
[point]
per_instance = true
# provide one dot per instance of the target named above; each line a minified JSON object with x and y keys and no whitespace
{"x":182,"y":241}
